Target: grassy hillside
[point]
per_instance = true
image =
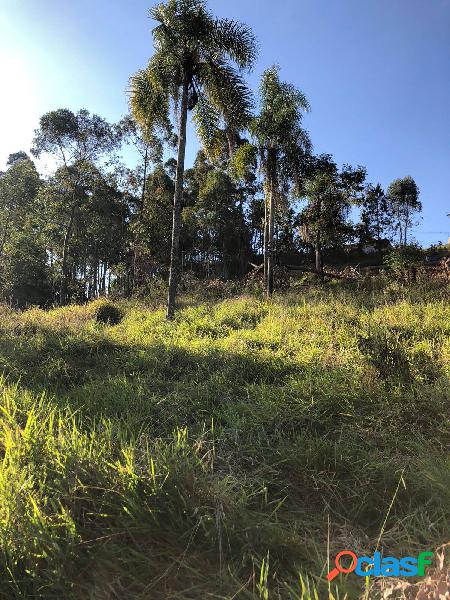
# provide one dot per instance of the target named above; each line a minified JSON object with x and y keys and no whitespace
{"x":219,"y":456}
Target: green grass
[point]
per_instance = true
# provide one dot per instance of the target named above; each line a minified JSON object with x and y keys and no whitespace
{"x":221,"y":455}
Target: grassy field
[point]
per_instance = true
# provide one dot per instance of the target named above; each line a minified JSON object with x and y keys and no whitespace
{"x":227,"y":454}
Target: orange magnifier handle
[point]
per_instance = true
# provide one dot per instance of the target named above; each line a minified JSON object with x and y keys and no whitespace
{"x":339,"y":568}
{"x":332,"y":574}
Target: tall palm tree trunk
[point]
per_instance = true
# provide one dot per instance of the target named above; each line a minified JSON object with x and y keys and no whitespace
{"x":177,"y":202}
{"x":144,"y":181}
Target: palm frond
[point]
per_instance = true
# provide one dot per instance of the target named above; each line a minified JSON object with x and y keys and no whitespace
{"x":207,"y":123}
{"x":209,"y":53}
{"x":280,"y":118}
{"x":229,"y":93}
{"x":296,"y":97}
{"x":149,"y":101}
{"x":183,"y":24}
{"x":235,"y":40}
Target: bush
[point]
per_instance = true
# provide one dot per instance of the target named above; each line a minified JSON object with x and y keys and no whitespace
{"x":402,"y":261}
{"x":24,"y":275}
{"x":106,"y":312}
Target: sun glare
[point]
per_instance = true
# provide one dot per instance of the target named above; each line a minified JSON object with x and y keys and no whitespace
{"x":18,"y":111}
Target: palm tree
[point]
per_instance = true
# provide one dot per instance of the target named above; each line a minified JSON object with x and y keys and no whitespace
{"x":197,"y":64}
{"x":283,"y":146}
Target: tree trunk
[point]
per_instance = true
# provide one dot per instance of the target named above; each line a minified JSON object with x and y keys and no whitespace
{"x":269,"y":289}
{"x":266,"y":238}
{"x":378,"y":217}
{"x":95,"y":282}
{"x":5,"y":236}
{"x":319,"y":257}
{"x":140,"y":212}
{"x":63,"y":287}
{"x":231,"y":140}
{"x":104,"y":267}
{"x":271,"y":176}
{"x":144,"y":182}
{"x":177,"y":202}
{"x":406,"y":220}
{"x":399,"y":220}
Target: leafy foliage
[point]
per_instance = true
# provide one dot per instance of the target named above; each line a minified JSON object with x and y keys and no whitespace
{"x":73,"y":137}
{"x":404,"y":197}
{"x":24,"y":269}
{"x":377,"y":217}
{"x":401,"y":260}
{"x":229,"y":452}
{"x":330,"y":194}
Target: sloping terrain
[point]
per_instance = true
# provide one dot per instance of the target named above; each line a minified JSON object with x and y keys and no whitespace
{"x":227,"y":454}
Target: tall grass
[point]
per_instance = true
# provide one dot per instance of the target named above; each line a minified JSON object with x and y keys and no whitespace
{"x":230,"y":454}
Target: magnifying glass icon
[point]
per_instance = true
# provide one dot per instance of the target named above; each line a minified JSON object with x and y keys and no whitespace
{"x":339,"y":568}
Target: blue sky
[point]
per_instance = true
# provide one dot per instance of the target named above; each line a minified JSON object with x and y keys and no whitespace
{"x":376,"y":72}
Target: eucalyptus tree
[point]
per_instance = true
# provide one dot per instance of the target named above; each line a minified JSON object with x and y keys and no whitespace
{"x":16,"y":157}
{"x":23,"y":268}
{"x":19,"y":186}
{"x":152,"y":231}
{"x":100,"y":228}
{"x":283,"y":147}
{"x":403,"y":195}
{"x":330,"y":194}
{"x":73,"y":140}
{"x":216,"y":223}
{"x":197,"y":65}
{"x":148,"y":146}
{"x":149,"y":150}
{"x":323,"y":219}
{"x":377,"y":217}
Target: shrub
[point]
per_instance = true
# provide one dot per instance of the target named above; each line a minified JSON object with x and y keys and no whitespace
{"x":106,"y":312}
{"x":24,"y":275}
{"x":402,"y":261}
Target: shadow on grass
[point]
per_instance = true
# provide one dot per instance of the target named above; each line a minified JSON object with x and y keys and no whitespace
{"x":56,"y":361}
{"x":286,"y":443}
{"x":165,"y":385}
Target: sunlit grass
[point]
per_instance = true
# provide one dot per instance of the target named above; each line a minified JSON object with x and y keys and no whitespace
{"x":221,"y":455}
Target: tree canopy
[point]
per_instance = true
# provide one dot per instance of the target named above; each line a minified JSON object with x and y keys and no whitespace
{"x":255,"y":194}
